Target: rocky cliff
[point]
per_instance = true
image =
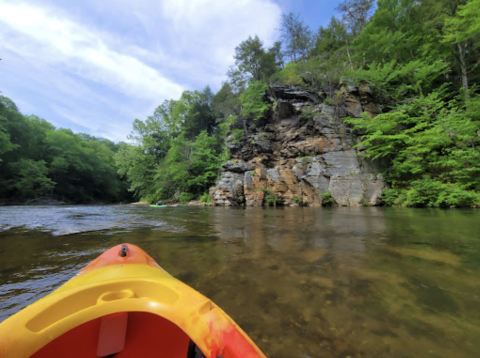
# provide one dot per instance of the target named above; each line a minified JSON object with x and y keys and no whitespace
{"x":302,"y":152}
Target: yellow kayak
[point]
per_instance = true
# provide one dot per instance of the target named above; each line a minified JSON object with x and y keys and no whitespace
{"x":123,"y":304}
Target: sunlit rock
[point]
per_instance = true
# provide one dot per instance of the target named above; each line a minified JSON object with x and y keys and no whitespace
{"x":300,"y":152}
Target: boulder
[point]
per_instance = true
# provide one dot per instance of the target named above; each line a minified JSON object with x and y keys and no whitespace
{"x":352,"y":105}
{"x":237,"y":166}
{"x":262,"y":142}
{"x":229,"y":190}
{"x":294,"y":94}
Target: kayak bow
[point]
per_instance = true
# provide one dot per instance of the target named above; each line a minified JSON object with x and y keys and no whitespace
{"x":123,"y":304}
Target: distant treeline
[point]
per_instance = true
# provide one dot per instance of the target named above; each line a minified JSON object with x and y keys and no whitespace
{"x":40,"y":162}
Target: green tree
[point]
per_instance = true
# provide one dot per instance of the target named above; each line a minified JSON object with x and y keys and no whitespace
{"x":463,"y":32}
{"x":136,"y":168}
{"x":225,"y":102}
{"x":5,"y":143}
{"x":254,"y":104}
{"x":8,"y":104}
{"x":355,"y":14}
{"x":331,"y":38}
{"x":426,"y":140}
{"x":31,"y":179}
{"x":171,"y":174}
{"x":177,"y":152}
{"x":205,"y":162}
{"x":296,"y":36}
{"x":425,"y":143}
{"x":253,"y":62}
{"x":38,"y":160}
{"x":198,"y":115}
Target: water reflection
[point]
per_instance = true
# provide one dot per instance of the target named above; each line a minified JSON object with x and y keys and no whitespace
{"x":302,"y":282}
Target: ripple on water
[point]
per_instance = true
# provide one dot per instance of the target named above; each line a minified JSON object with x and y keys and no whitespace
{"x":302,"y":282}
{"x":70,"y":220}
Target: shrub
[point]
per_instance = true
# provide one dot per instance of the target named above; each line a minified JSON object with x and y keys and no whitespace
{"x":457,"y":197}
{"x":237,"y":135}
{"x":289,"y":75}
{"x":424,"y":193}
{"x":271,"y":199}
{"x":253,"y":101}
{"x":314,"y":72}
{"x":307,"y":114}
{"x":184,"y":197}
{"x":205,"y":198}
{"x":327,"y":199}
{"x":429,"y":193}
{"x":392,"y":197}
{"x":298,"y":200}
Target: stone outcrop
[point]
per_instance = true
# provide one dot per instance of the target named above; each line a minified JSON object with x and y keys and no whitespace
{"x":300,"y":152}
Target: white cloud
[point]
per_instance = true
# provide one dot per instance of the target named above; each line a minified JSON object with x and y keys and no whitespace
{"x":210,"y":30}
{"x":96,"y":60}
{"x":112,"y":60}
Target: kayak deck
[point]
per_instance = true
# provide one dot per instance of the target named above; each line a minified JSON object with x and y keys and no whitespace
{"x":123,"y":304}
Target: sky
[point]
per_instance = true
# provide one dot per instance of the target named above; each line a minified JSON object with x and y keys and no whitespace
{"x":94,"y":66}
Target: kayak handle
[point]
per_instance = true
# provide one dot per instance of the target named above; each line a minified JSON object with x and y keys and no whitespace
{"x":116,"y":295}
{"x":124,"y":251}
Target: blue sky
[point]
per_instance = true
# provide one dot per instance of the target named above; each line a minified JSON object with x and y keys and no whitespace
{"x":93,"y":66}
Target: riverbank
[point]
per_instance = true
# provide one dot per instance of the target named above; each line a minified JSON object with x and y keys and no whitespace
{"x":56,"y":202}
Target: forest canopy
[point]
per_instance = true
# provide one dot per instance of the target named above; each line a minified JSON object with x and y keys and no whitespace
{"x":40,"y":162}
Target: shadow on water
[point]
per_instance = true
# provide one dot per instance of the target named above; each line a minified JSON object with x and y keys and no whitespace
{"x":302,"y":282}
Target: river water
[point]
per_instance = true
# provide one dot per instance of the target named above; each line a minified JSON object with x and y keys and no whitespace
{"x":302,"y":282}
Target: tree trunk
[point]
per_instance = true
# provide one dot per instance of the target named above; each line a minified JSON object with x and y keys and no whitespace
{"x":463,"y":68}
{"x":349,"y":57}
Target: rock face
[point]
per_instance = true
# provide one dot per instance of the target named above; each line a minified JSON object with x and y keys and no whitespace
{"x":300,"y":152}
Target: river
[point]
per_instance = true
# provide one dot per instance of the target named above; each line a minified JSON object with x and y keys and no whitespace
{"x":302,"y":282}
